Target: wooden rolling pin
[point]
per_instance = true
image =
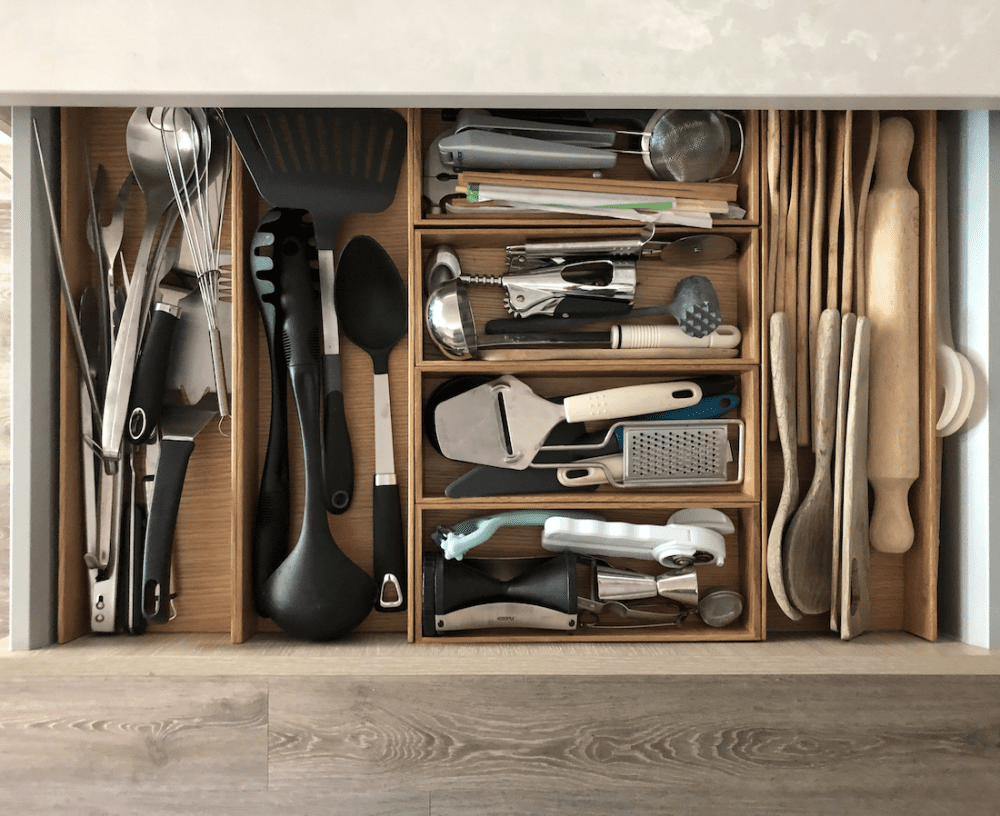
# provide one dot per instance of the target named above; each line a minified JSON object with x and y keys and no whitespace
{"x":892,"y":262}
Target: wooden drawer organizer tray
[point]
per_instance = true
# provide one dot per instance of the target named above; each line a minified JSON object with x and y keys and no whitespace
{"x":212,"y":543}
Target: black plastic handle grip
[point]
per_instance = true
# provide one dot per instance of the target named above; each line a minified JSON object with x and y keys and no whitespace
{"x":167,"y":489}
{"x":271,"y":524}
{"x":150,"y":377}
{"x":338,"y":458}
{"x":571,"y":313}
{"x":389,"y":549}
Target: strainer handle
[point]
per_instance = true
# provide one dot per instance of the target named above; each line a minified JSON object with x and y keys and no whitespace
{"x":743,"y":141}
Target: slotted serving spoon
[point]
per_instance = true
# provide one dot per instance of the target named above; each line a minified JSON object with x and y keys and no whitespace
{"x":332,"y":163}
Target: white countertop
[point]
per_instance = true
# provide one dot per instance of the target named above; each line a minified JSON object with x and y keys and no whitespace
{"x":771,"y":53}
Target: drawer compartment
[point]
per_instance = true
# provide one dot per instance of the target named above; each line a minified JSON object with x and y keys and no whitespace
{"x":740,"y":573}
{"x":431,"y":124}
{"x":484,"y":253}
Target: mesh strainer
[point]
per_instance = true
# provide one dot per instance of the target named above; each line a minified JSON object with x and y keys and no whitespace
{"x":687,"y":145}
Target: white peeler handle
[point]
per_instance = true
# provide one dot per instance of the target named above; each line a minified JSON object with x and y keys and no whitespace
{"x":631,"y":400}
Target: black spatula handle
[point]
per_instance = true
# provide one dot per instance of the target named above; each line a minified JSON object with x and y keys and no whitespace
{"x":151,"y":374}
{"x":167,"y":489}
{"x":338,"y":458}
{"x":389,"y":549}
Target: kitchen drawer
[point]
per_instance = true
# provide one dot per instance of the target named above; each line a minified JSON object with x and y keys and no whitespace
{"x":212,"y":545}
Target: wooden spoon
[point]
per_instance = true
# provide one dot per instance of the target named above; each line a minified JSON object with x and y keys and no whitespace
{"x":783,"y":386}
{"x":855,"y":600}
{"x":809,"y":539}
{"x":847,"y":331}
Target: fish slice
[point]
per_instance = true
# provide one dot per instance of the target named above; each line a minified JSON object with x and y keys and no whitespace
{"x":189,"y":404}
{"x":331,"y":162}
{"x":504,"y":423}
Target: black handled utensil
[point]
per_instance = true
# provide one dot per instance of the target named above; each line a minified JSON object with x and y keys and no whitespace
{"x":330,"y":162}
{"x":149,"y":384}
{"x":281,"y":239}
{"x":371,"y":303}
{"x":317,"y":593}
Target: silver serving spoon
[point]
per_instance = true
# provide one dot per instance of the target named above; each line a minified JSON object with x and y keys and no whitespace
{"x":144,"y":143}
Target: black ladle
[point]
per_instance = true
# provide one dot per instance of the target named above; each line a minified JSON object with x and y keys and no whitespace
{"x":372,"y":310}
{"x":317,"y":593}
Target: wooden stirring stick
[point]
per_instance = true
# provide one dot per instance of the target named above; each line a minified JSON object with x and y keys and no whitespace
{"x":792,"y":248}
{"x":778,"y":233}
{"x":847,"y":262}
{"x":833,"y":224}
{"x":803,"y":409}
{"x":863,"y":186}
{"x":818,"y":235}
{"x":773,"y":171}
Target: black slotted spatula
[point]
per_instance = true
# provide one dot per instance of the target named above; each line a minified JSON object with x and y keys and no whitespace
{"x":331,"y":162}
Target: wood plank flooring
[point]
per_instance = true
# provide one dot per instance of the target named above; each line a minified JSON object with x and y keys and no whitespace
{"x":503,"y":745}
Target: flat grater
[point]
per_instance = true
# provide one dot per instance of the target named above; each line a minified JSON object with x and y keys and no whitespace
{"x":666,"y":454}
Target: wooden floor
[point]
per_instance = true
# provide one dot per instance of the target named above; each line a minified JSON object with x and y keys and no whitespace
{"x":101,"y":743}
{"x":501,"y":745}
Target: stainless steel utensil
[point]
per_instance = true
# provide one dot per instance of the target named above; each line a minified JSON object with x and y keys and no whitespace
{"x":687,"y":145}
{"x":504,"y":423}
{"x":452,"y":327}
{"x":201,"y":205}
{"x":189,"y":405}
{"x":144,"y":143}
{"x":667,"y":454}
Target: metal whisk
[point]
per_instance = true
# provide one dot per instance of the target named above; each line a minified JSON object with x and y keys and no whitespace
{"x":201,"y":205}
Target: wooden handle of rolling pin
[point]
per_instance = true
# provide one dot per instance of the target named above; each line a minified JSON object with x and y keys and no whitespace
{"x":892,"y":262}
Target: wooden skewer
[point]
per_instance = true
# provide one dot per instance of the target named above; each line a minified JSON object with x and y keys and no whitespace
{"x":850,"y":223}
{"x":802,"y":296}
{"x":714,"y":191}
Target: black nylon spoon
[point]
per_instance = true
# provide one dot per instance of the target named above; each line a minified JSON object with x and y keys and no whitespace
{"x":371,"y":306}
